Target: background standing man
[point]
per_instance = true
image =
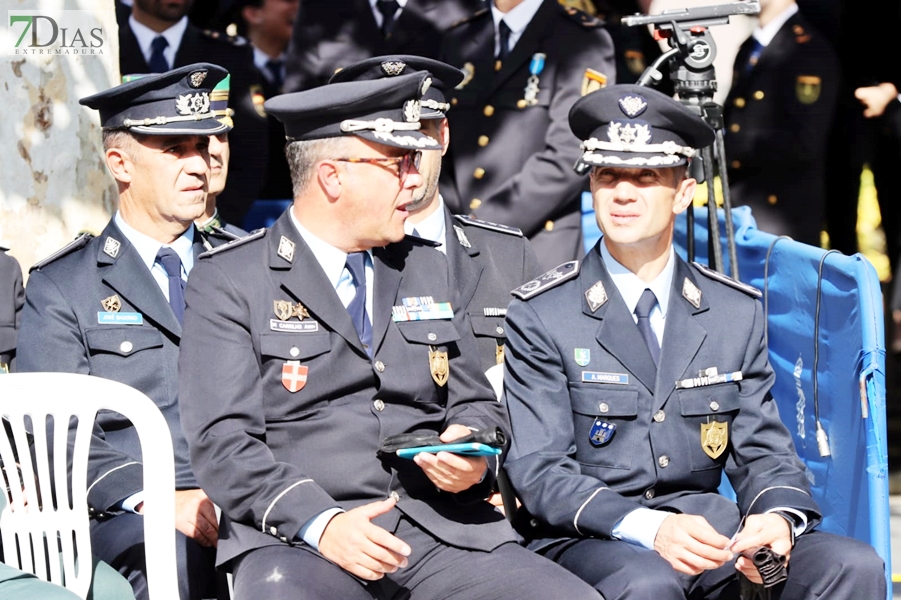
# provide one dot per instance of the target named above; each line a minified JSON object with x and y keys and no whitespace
{"x":112,"y":306}
{"x":511,"y":155}
{"x":636,"y":380}
{"x":331,"y":332}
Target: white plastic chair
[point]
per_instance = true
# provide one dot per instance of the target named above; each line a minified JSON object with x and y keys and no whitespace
{"x":42,"y":536}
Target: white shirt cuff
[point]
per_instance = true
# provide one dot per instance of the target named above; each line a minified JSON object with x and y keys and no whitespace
{"x":800,"y":524}
{"x":640,"y":527}
{"x":130,"y":503}
{"x":313,"y":529}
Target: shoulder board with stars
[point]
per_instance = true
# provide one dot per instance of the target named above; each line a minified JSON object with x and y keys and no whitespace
{"x":738,"y":285}
{"x":234,"y":40}
{"x":253,"y":235}
{"x":467,"y":220}
{"x":77,"y":244}
{"x":469,"y":18}
{"x":582,"y":18}
{"x":552,"y":278}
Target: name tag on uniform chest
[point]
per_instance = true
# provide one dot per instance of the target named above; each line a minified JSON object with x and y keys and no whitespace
{"x":120,"y":318}
{"x":597,"y":377}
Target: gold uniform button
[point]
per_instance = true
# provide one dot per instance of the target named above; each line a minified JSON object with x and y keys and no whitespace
{"x":735,"y":128}
{"x":379,"y":366}
{"x":736,"y":164}
{"x":758,"y":95}
{"x":714,"y":406}
{"x":739,"y":102}
{"x":772,"y":199}
{"x":488,"y":110}
{"x":479,"y":173}
{"x":604,"y":408}
{"x":549,"y":225}
{"x":521,"y":103}
{"x":454,"y":101}
{"x":379,"y":405}
{"x":126,"y":347}
{"x":659,"y":416}
{"x":663,"y":461}
{"x":483,"y":141}
{"x":497,"y":65}
{"x":475,"y":203}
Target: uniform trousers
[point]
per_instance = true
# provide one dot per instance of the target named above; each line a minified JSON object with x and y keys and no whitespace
{"x":822,"y":565}
{"x":435,"y":570}
{"x":120,"y":542}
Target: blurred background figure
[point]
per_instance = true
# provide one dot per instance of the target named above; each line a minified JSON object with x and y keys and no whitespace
{"x":267,"y":25}
{"x":778,"y":114}
{"x":329,"y":34}
{"x":157,"y":36}
{"x":511,"y":152}
{"x":12,"y":299}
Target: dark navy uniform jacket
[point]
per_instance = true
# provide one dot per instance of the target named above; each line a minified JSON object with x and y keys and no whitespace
{"x":778,"y":117}
{"x":273,"y":459}
{"x":487,"y":261}
{"x":61,"y":332}
{"x":655,"y":458}
{"x":511,"y":164}
{"x":10,"y":307}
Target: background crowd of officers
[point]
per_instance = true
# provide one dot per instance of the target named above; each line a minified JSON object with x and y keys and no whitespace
{"x":810,"y":104}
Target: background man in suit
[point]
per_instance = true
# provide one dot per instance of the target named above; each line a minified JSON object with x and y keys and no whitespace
{"x":486,"y":260}
{"x":311,"y":324}
{"x":511,"y":154}
{"x":112,"y":306}
{"x":330,"y":34}
{"x":778,"y":114}
{"x":621,"y":433}
{"x":159,"y":37}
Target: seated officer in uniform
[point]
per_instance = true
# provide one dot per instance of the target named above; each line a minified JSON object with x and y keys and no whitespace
{"x":634,"y":380}
{"x":329,"y":332}
{"x":486,"y":260}
{"x":112,"y":306}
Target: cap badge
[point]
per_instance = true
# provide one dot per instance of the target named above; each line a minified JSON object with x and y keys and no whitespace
{"x":629,"y":134}
{"x":392,"y":68}
{"x":633,"y":106}
{"x":196,"y":78}
{"x":193,"y":104}
{"x":412,"y":110}
{"x":426,"y":84}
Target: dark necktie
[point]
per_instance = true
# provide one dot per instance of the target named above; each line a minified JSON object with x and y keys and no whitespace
{"x":356,"y":264}
{"x":389,"y":9}
{"x":172,"y":264}
{"x":503,"y":32}
{"x":158,"y":62}
{"x":416,"y":233}
{"x":643,"y":309}
{"x":274,"y":66}
{"x":756,"y":49}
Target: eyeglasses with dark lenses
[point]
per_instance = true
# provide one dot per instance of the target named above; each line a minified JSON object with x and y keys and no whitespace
{"x":404,"y":163}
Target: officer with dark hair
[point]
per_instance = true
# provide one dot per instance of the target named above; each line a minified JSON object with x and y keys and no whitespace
{"x":636,"y":380}
{"x":331,"y":332}
{"x":112,"y":306}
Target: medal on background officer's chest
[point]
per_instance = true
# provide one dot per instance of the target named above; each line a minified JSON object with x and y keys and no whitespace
{"x":530,"y":94}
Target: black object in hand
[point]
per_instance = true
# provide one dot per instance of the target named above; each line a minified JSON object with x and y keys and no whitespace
{"x":493,"y":437}
{"x":770,"y":565}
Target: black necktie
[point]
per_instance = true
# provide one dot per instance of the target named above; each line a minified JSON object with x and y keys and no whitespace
{"x":356,"y":264}
{"x":172,"y":264}
{"x":158,"y":62}
{"x":643,"y":309}
{"x":503,"y":32}
{"x":274,"y":66}
{"x":389,"y":9}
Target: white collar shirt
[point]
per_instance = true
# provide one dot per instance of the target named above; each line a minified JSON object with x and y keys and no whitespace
{"x":432,"y":228}
{"x":147,"y":248}
{"x":146,"y":35}
{"x":517,"y":19}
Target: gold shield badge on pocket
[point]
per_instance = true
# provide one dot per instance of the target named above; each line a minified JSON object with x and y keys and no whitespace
{"x":714,"y":438}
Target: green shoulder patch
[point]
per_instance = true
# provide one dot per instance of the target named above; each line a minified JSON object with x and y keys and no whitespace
{"x":77,"y":244}
{"x":552,"y":278}
{"x":253,"y":235}
{"x":738,"y":285}
{"x":467,"y":220}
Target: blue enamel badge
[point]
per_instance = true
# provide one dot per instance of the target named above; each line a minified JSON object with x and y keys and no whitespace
{"x":582,"y":356}
{"x":601,"y":432}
